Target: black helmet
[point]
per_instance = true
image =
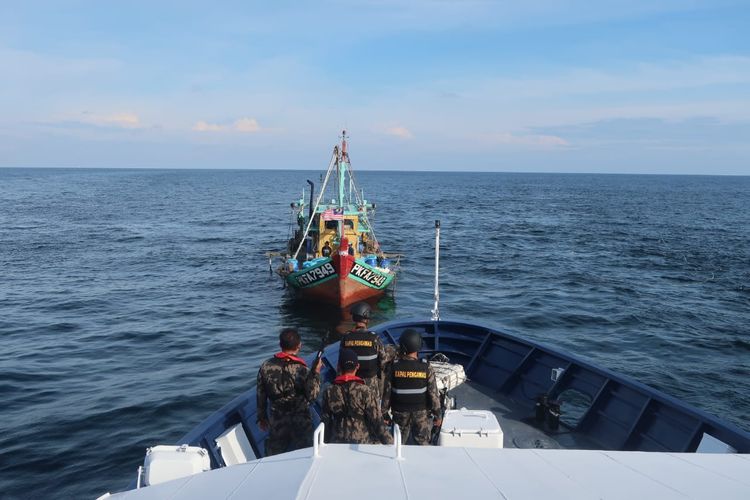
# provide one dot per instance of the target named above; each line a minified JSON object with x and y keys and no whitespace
{"x":411,"y":341}
{"x":360,"y":311}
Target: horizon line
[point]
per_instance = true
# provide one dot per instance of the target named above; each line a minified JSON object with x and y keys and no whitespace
{"x":231,"y":169}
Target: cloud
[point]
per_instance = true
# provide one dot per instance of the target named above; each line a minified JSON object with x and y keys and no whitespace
{"x":89,"y":120}
{"x":638,"y":77}
{"x":244,"y":125}
{"x":202,"y":126}
{"x":31,"y":67}
{"x":399,"y":131}
{"x":536,"y":140}
{"x":695,"y":133}
{"x":247,"y":125}
{"x":124,"y":120}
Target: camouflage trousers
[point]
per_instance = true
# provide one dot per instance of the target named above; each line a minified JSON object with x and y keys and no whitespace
{"x":351,"y":430}
{"x":416,"y":424}
{"x":289,"y":432}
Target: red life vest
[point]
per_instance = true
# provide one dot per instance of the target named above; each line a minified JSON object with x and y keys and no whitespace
{"x":342,"y":379}
{"x":290,"y":357}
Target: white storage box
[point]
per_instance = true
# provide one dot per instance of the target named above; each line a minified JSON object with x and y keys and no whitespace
{"x":470,"y":429}
{"x":447,"y":375}
{"x":164,"y":463}
{"x":234,"y":446}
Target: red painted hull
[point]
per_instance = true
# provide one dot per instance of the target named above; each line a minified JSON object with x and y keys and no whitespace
{"x":341,"y":290}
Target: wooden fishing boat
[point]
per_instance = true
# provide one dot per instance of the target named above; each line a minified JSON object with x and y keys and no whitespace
{"x":333,"y":255}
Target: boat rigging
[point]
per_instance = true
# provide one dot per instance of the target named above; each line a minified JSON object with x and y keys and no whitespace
{"x":333,"y":254}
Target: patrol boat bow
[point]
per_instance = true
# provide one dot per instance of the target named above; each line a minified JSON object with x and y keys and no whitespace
{"x":568,"y":429}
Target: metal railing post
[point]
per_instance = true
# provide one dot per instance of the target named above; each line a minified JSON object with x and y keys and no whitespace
{"x":397,"y":441}
{"x":318,"y":442}
{"x":436,"y":308}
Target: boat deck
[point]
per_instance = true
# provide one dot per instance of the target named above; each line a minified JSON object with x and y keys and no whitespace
{"x":519,"y":426}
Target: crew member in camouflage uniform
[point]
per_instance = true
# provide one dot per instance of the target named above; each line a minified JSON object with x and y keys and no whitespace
{"x":351,"y":410}
{"x":291,"y":387}
{"x":369,"y":348}
{"x":411,"y":392}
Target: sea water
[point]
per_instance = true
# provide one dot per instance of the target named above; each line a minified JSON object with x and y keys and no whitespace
{"x":134,"y":303}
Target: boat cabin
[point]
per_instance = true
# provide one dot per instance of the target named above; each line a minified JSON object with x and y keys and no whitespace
{"x":355,"y":233}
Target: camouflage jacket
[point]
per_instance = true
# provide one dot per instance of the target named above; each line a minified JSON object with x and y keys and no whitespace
{"x":286,"y":381}
{"x":352,"y":413}
{"x":433,"y":396}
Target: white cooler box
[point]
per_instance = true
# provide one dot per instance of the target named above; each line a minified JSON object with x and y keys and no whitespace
{"x":447,"y":375}
{"x":164,"y":463}
{"x":470,"y":429}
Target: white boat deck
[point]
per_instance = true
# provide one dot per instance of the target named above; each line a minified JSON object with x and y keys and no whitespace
{"x":432,"y":472}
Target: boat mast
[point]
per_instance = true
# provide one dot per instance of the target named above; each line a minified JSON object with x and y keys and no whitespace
{"x":343,"y":164}
{"x":342,"y":168}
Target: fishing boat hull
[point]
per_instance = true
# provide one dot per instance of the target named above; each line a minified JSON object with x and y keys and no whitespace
{"x":340,"y":280}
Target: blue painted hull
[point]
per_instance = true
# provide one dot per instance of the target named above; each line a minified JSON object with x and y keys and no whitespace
{"x":620,"y":414}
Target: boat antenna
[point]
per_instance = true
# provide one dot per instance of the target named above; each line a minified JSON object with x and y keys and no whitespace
{"x":436,"y":307}
{"x":342,"y":167}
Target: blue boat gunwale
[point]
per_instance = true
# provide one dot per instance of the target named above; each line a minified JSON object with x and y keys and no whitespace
{"x":242,"y":409}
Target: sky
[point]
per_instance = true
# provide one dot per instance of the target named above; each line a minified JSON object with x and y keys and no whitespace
{"x":657,"y":86}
